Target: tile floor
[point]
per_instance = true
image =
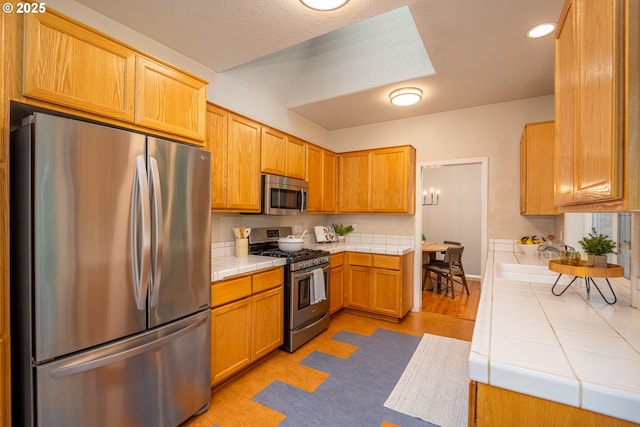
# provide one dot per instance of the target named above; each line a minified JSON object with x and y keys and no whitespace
{"x":231,"y":403}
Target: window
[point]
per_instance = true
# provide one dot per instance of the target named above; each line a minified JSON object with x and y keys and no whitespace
{"x":618,"y":228}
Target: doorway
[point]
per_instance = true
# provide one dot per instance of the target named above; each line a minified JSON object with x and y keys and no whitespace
{"x":456,"y":211}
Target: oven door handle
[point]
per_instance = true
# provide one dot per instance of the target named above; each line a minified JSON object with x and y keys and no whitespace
{"x":308,"y":273}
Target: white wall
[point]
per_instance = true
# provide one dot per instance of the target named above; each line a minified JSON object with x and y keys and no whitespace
{"x":491,"y":130}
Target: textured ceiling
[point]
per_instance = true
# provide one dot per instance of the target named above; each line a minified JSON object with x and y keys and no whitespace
{"x":337,"y":68}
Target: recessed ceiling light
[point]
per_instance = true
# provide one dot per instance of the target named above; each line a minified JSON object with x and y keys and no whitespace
{"x":541,"y":30}
{"x":405,"y":96}
{"x":324,"y":5}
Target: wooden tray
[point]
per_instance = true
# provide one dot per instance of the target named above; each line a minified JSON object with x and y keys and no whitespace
{"x":612,"y":270}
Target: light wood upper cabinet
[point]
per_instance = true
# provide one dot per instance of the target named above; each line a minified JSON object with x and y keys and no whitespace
{"x":273,"y":147}
{"x":354,"y":181}
{"x":566,"y":89}
{"x":72,"y":65}
{"x":234,"y":143}
{"x":597,"y":81}
{"x":321,"y":168}
{"x":282,"y":154}
{"x":169,"y":100}
{"x":380,"y":180}
{"x":393,"y":180}
{"x":216,"y":143}
{"x":536,"y":169}
{"x":243,"y":184}
{"x":296,"y":157}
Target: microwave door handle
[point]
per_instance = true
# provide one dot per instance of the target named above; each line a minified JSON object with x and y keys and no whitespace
{"x":301,"y":200}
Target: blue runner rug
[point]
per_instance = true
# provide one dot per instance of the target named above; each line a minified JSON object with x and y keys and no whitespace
{"x":355,"y":392}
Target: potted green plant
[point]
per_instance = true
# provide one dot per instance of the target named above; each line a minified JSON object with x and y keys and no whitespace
{"x":342,"y":230}
{"x":597,"y":245}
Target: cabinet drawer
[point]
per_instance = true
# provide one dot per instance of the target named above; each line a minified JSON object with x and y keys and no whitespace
{"x":355,"y":258}
{"x":227,"y":291}
{"x":268,"y":280}
{"x":390,"y":262}
{"x":337,"y":260}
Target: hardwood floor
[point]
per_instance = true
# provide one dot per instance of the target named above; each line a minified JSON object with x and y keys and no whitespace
{"x":231,"y":403}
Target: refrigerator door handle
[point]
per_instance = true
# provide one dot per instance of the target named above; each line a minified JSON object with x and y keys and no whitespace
{"x":88,"y":365}
{"x":158,"y":231}
{"x":140,"y":233}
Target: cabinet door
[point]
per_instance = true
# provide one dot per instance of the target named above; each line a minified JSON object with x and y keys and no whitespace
{"x":386,"y":292}
{"x":216,"y":143}
{"x":329,"y":173}
{"x":536,"y":167}
{"x":268,"y":321}
{"x":273,"y":147}
{"x":243,"y":178}
{"x":71,"y":65}
{"x":295,"y":157}
{"x":314,"y":177}
{"x":390,"y":184}
{"x":354,"y":182}
{"x":169,"y":100}
{"x":336,"y":292}
{"x":566,"y":78}
{"x":358,"y":282}
{"x":599,"y":167}
{"x":230,"y":339}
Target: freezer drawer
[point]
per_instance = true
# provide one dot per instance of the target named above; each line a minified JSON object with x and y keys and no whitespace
{"x":159,"y":378}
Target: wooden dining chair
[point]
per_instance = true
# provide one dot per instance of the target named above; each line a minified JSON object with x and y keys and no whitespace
{"x":449,"y":242}
{"x":449,"y":269}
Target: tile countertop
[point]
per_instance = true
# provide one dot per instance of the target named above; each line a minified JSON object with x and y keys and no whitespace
{"x":229,"y":265}
{"x":573,"y":349}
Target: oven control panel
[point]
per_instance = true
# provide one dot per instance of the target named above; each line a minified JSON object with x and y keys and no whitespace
{"x":308,"y":263}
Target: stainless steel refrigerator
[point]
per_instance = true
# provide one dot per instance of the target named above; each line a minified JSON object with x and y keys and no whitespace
{"x":110,"y":276}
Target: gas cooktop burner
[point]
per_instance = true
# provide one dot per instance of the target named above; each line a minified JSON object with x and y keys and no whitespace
{"x":300,"y":255}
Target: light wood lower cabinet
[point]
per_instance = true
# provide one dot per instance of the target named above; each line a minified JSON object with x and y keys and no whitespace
{"x":336,"y":283}
{"x":247,"y":318}
{"x":491,"y":406}
{"x":379,"y":285}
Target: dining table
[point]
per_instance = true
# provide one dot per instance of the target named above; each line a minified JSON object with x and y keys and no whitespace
{"x":429,"y":253}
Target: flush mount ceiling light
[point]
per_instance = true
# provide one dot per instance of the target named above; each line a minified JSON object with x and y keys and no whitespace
{"x":541,"y":30}
{"x":405,"y":96}
{"x":324,"y":5}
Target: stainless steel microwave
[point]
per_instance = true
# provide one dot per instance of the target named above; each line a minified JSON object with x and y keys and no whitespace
{"x":284,"y":196}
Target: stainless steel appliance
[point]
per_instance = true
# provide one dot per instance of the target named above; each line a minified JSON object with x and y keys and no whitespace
{"x":284,"y":196}
{"x":305,"y":315}
{"x":110,"y":276}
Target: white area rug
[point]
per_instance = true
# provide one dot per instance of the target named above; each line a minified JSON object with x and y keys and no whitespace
{"x":435,"y":384}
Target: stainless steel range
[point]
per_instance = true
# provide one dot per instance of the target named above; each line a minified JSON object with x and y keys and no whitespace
{"x":306,"y":309}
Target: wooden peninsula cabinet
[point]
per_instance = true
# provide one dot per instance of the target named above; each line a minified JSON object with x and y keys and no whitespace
{"x":377,"y":181}
{"x":597,"y":123}
{"x":379,"y":285}
{"x":536,"y":169}
{"x":247,"y":318}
